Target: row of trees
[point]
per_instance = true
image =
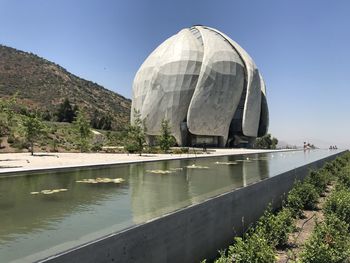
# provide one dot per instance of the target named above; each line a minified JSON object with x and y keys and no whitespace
{"x":33,"y":129}
{"x":67,"y":113}
{"x":31,"y":126}
{"x":136,"y":136}
{"x":136,"y":139}
{"x":266,"y":142}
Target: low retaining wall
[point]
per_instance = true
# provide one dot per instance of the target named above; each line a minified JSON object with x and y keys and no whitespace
{"x":193,"y":233}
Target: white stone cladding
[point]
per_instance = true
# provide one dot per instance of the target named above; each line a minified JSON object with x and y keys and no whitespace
{"x":197,"y":78}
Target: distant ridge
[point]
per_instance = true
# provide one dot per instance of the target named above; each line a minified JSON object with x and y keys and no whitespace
{"x":43,"y":85}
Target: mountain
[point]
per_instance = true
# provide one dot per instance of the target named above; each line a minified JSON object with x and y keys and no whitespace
{"x":43,"y":85}
{"x":323,"y":144}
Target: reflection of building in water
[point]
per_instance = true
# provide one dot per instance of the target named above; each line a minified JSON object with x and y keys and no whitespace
{"x":218,"y":178}
{"x":154,"y":194}
{"x":255,"y":168}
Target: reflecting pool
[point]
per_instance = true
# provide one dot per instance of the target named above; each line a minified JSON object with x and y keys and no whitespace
{"x":35,"y":225}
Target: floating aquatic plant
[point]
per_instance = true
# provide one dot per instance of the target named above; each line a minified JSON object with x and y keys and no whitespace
{"x":49,"y":192}
{"x":226,"y":163}
{"x":193,"y":166}
{"x":101,"y":180}
{"x":159,"y":171}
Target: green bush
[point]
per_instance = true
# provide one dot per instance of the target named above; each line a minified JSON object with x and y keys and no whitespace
{"x":331,"y":167}
{"x":253,"y":247}
{"x":185,"y":149}
{"x":341,"y":161}
{"x":302,"y":196}
{"x":222,"y":259}
{"x":319,"y":179}
{"x":18,"y":143}
{"x":180,"y":150}
{"x":131,"y":148}
{"x":338,"y":203}
{"x":343,"y":178}
{"x":153,"y":149}
{"x":10,"y":139}
{"x":276,"y":228}
{"x":329,"y":243}
{"x":96,"y":147}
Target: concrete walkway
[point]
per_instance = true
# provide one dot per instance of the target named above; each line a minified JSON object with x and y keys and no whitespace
{"x":20,"y":162}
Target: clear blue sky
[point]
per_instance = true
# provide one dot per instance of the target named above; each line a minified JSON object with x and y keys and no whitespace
{"x":301,"y":47}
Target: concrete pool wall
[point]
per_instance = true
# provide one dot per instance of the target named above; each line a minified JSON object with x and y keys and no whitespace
{"x":193,"y":233}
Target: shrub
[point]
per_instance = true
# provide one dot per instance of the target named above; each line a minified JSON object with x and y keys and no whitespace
{"x":319,"y":179}
{"x":338,"y":203}
{"x":331,"y":167}
{"x":176,"y":151}
{"x":10,"y":139}
{"x":20,"y":144}
{"x":341,"y":161}
{"x":180,"y":150}
{"x":96,"y":147}
{"x":153,"y":149}
{"x":330,"y":242}
{"x":302,"y":196}
{"x":253,"y":247}
{"x":131,"y":148}
{"x":276,"y":228}
{"x":222,"y":259}
{"x":343,"y":178}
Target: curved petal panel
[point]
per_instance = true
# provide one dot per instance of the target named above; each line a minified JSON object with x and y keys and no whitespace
{"x":264,"y":114}
{"x":219,"y":87}
{"x":252,"y":107}
{"x":172,"y":85}
{"x":144,"y":77}
{"x":251,"y":111}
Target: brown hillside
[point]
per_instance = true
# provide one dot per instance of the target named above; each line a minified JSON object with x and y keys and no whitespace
{"x":43,"y":85}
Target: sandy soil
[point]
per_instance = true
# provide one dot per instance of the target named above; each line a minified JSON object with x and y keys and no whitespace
{"x":14,"y":162}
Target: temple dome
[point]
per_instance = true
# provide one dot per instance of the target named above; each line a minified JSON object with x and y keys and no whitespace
{"x":206,"y":86}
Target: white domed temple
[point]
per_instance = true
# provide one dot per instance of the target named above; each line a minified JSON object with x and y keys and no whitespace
{"x":206,"y":86}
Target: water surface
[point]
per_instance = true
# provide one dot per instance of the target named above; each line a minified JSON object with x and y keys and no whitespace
{"x":33,"y":227}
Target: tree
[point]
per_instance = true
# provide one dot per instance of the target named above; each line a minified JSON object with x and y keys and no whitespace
{"x":274,"y":143}
{"x":83,"y":131}
{"x":101,"y":121}
{"x":136,"y":138}
{"x":33,"y":129}
{"x":166,"y":140}
{"x":4,"y":129}
{"x":105,"y":123}
{"x":7,"y":115}
{"x":66,"y":113}
{"x":7,"y":108}
{"x":266,"y":142}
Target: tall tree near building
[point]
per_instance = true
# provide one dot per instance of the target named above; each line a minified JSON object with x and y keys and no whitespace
{"x":83,"y":131}
{"x":33,"y":129}
{"x":266,"y":142}
{"x":166,"y":140}
{"x":136,"y":138}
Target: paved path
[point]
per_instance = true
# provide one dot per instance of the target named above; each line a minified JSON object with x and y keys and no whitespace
{"x":15,"y":162}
